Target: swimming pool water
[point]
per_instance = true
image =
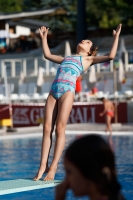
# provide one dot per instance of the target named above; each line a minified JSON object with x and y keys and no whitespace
{"x":19,"y":158}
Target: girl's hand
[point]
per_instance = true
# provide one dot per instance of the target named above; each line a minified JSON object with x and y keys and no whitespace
{"x":117,"y":31}
{"x":43,"y":32}
{"x":61,"y":190}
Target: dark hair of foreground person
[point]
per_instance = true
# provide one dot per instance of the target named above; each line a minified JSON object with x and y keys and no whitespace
{"x":90,"y":169}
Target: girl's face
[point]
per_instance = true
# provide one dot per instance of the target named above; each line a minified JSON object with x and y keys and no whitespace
{"x":76,"y":181}
{"x":84,"y":46}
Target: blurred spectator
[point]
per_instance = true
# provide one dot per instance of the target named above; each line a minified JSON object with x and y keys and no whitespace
{"x":37,"y":40}
{"x":109,"y":112}
{"x":23,"y":43}
{"x":2,"y":45}
{"x":93,"y":91}
{"x":31,"y":43}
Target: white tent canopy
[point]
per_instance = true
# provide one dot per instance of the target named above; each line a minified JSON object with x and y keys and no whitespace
{"x":21,"y":78}
{"x":122,"y":48}
{"x":67,"y":49}
{"x":121,"y":71}
{"x":6,"y":34}
{"x":40,"y":79}
{"x":92,"y":74}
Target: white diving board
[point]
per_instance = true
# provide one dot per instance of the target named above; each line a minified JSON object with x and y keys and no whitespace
{"x":21,"y":185}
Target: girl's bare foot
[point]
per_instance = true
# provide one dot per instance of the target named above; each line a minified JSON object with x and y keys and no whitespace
{"x":51,"y":174}
{"x":43,"y":169}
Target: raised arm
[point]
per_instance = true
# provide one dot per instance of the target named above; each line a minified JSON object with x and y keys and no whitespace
{"x":47,"y":54}
{"x":112,"y":54}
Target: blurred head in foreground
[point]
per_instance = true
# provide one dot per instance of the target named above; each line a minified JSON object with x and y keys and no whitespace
{"x":90,"y":169}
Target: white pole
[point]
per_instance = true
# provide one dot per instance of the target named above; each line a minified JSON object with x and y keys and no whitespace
{"x":24,"y":67}
{"x":35,"y":66}
{"x":6,"y":83}
{"x":126,"y":61}
{"x":47,"y":67}
{"x":7,"y":29}
{"x":111,"y":65}
{"x":2,"y":68}
{"x":98,"y":67}
{"x":13,"y":70}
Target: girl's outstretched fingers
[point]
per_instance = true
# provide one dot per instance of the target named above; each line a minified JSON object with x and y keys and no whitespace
{"x":43,"y":31}
{"x":117,"y":31}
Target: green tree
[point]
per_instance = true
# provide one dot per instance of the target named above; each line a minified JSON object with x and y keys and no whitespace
{"x":61,"y":22}
{"x":31,"y":5}
{"x":103,"y":14}
{"x":127,"y":13}
{"x":9,"y":6}
{"x":108,"y":13}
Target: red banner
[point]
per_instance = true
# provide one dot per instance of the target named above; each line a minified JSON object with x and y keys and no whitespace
{"x":32,"y":115}
{"x":89,"y":113}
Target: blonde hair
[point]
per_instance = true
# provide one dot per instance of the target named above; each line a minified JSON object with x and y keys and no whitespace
{"x":93,"y":51}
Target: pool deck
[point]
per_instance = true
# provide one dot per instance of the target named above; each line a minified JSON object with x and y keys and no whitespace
{"x":118,"y":129}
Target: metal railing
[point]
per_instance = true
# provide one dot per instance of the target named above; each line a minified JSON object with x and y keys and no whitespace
{"x":30,"y":65}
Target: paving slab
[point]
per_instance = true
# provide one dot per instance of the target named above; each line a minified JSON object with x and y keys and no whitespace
{"x":81,"y":128}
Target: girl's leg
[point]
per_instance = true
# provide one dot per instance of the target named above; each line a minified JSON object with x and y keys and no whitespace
{"x":50,"y":115}
{"x":64,"y":109}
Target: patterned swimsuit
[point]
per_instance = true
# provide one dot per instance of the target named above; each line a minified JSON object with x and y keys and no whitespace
{"x":67,"y":74}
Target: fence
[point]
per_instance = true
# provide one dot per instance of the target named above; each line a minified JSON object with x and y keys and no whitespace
{"x":30,"y":65}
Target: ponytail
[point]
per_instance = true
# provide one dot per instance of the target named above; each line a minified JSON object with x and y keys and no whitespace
{"x":110,"y":185}
{"x":93,"y":52}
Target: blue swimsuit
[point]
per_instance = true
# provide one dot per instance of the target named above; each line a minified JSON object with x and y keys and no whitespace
{"x":67,"y":74}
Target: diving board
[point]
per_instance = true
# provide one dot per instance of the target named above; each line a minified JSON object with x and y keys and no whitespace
{"x":21,"y":185}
